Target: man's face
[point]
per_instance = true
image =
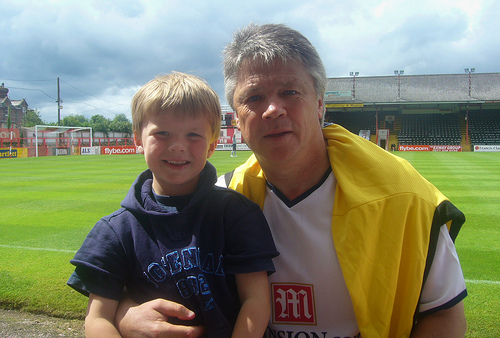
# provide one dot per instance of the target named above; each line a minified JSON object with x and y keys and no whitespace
{"x":278,"y":110}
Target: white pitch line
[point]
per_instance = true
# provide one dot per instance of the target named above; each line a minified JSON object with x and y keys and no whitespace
{"x":477,"y":281}
{"x":467,"y":281}
{"x":31,"y":248}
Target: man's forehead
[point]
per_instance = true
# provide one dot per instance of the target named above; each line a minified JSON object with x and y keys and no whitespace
{"x":278,"y":72}
{"x":260,"y":64}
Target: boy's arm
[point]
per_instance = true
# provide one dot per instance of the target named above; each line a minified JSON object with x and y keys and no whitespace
{"x":253,"y":290}
{"x":100,"y":318}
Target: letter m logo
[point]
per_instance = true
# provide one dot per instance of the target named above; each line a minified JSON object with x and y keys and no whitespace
{"x":293,"y":304}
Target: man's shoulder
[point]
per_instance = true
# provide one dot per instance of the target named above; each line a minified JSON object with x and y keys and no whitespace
{"x":224,"y":180}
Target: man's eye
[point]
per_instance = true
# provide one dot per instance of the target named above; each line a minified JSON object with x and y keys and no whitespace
{"x":290,"y":92}
{"x":253,"y":98}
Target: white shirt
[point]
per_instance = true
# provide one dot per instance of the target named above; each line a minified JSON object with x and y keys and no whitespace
{"x":308,"y":291}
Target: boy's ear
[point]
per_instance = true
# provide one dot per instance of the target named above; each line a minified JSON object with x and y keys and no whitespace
{"x":138,"y":144}
{"x":211,"y":148}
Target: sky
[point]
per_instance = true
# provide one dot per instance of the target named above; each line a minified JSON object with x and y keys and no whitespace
{"x":103,"y":51}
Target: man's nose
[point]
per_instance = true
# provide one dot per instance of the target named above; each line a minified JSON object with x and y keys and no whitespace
{"x":274,"y":110}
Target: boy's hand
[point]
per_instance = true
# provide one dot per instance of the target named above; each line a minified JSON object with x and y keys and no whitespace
{"x":150,"y":319}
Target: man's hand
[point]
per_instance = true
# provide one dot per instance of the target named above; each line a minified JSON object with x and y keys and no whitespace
{"x":150,"y":319}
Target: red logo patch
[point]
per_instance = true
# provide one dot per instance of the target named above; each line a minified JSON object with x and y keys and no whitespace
{"x":293,"y":304}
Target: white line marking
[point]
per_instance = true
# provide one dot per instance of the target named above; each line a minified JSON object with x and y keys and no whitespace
{"x":31,"y":248}
{"x":467,"y":281}
{"x":476,"y":281}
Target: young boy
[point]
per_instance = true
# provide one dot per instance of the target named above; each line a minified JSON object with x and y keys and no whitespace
{"x":176,"y":235}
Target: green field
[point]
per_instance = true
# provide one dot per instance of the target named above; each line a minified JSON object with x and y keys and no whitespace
{"x":49,"y":204}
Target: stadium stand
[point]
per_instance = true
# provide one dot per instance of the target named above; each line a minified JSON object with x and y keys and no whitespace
{"x":354,"y":121}
{"x":484,"y":128}
{"x":423,"y":109}
{"x":430,"y":129}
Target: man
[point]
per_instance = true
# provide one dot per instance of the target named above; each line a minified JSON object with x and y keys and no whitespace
{"x":366,"y":243}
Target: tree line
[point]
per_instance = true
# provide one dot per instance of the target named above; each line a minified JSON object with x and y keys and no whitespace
{"x":98,"y":123}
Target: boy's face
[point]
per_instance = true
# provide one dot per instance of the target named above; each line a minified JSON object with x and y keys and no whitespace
{"x":176,"y":150}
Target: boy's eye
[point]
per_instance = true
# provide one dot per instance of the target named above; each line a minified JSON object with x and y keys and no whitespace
{"x":193,"y":135}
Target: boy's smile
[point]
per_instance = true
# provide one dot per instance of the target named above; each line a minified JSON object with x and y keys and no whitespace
{"x":176,"y":149}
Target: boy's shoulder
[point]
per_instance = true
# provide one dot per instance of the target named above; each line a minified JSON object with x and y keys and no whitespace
{"x":117,"y":214}
{"x":120,"y":221}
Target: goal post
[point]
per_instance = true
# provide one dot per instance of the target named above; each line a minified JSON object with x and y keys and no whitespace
{"x":61,"y":130}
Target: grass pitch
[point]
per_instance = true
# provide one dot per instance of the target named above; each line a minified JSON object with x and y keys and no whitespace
{"x":49,"y":205}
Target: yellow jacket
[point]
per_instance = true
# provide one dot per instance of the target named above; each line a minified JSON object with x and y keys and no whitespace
{"x":385,"y":225}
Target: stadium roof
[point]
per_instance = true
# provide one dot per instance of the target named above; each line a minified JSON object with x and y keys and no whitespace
{"x":451,"y":88}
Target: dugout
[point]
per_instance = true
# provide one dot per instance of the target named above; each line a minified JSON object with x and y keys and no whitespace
{"x":448,"y":112}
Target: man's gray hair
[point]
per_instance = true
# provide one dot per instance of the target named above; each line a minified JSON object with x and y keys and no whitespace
{"x":266,"y":43}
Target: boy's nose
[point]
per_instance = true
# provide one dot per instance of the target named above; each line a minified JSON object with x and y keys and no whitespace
{"x":177,"y":145}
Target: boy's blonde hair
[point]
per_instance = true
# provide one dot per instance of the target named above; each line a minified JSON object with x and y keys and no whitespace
{"x":178,"y":93}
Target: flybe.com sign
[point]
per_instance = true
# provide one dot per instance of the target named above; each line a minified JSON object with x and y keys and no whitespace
{"x":125,"y":150}
{"x":429,"y":148}
{"x":108,"y":150}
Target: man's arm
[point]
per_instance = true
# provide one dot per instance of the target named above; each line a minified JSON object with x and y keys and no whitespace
{"x":150,"y":319}
{"x":99,"y":321}
{"x":445,"y":323}
{"x":253,"y":291}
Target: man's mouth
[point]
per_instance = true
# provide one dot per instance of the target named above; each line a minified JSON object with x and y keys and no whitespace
{"x":277,"y":133}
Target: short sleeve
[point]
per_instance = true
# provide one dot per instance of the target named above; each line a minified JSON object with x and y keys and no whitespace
{"x":101,"y":267}
{"x":249,"y":244}
{"x":445,"y":284}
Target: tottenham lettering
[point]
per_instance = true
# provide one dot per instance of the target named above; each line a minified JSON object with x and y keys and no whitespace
{"x":186,"y":260}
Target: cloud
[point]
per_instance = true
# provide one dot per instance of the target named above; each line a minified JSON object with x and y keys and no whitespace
{"x":103,"y":51}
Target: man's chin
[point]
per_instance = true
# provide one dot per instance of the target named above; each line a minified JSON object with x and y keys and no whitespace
{"x":277,"y":155}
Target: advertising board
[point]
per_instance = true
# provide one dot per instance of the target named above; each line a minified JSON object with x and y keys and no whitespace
{"x":429,"y":148}
{"x":492,"y":148}
{"x":117,"y":150}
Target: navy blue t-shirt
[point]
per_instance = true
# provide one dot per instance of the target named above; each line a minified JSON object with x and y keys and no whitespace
{"x":188,"y":256}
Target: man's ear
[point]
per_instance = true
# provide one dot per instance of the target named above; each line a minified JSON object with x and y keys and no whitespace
{"x":321,"y":109}
{"x":138,"y":144}
{"x":237,"y":119}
